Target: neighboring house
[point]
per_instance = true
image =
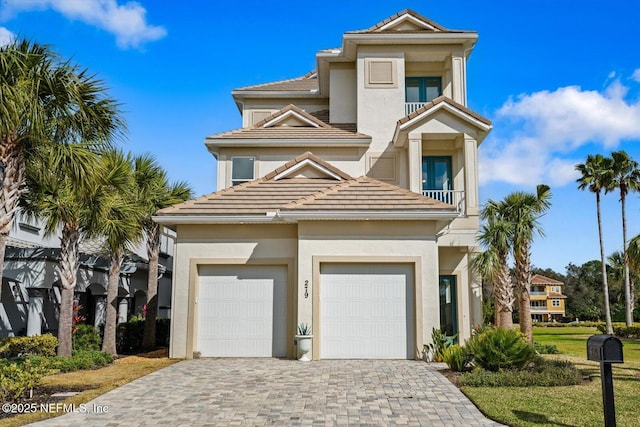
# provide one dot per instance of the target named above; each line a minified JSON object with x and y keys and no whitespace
{"x":348,"y":201}
{"x":547,"y":301}
{"x":30,"y":294}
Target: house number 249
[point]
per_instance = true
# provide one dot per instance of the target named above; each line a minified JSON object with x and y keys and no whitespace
{"x":306,"y":289}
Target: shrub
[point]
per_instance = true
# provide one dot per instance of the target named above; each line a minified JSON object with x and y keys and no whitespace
{"x":545,"y":373}
{"x":38,"y":345}
{"x":130,"y":335}
{"x":86,"y":337}
{"x":545,"y":348}
{"x":79,"y":361}
{"x":15,"y":378}
{"x":499,"y":348}
{"x":456,"y":357}
{"x":439,"y":342}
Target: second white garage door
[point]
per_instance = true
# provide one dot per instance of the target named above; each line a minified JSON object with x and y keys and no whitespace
{"x":242,"y":311}
{"x":367,"y":311}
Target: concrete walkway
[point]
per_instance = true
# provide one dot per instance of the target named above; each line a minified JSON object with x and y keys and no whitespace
{"x":253,"y":392}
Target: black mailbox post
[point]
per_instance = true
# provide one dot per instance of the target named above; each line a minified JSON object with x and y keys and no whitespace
{"x":606,"y":349}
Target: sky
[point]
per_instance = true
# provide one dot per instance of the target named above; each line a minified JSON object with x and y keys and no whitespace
{"x":560,"y":79}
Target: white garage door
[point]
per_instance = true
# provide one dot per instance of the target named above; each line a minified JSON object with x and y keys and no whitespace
{"x":366,"y":311}
{"x":242,"y":311}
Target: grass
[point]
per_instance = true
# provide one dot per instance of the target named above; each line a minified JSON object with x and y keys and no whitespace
{"x":93,"y":383}
{"x":579,"y":406}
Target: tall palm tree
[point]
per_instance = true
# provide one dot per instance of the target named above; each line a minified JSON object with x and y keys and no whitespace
{"x":596,"y":172}
{"x":154,"y":193}
{"x":44,"y":101}
{"x":523,"y":210}
{"x":56,"y":196}
{"x":626,"y":178}
{"x":118,"y":215}
{"x":633,"y":252}
{"x":493,"y":263}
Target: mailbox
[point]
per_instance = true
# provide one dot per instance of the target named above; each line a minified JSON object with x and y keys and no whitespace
{"x":604,"y":348}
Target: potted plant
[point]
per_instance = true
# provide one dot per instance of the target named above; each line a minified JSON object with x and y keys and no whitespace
{"x":304,"y":341}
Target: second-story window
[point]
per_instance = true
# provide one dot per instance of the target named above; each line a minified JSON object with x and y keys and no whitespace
{"x":436,"y":173}
{"x":242,"y":169}
{"x":422,"y":89}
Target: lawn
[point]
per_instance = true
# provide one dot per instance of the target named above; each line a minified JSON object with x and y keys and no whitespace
{"x":579,"y":406}
{"x":93,"y":383}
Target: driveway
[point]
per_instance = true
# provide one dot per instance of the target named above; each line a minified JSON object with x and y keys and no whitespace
{"x":252,"y":392}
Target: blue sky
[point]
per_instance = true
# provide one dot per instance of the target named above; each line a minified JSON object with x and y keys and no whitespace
{"x":559,"y":79}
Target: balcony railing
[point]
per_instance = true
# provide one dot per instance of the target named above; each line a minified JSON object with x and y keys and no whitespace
{"x":538,"y":293}
{"x":410,"y":107}
{"x":450,"y":197}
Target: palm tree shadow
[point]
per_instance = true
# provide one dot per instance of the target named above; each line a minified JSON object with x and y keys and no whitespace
{"x":535,"y":418}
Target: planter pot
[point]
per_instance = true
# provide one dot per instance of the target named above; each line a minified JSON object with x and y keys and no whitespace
{"x":304,"y":347}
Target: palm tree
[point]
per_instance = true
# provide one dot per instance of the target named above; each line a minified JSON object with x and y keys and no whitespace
{"x":595,"y":175}
{"x":633,"y":252}
{"x":154,"y":193}
{"x":44,"y":101}
{"x":56,"y":196}
{"x":493,"y":263}
{"x":119,"y":216}
{"x":625,"y":177}
{"x":523,"y":211}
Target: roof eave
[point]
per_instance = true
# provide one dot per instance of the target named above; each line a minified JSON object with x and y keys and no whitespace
{"x":172,"y":220}
{"x":213,"y":143}
{"x":370,"y":215}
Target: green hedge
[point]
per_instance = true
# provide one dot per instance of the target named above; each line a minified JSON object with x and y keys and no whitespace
{"x":622,"y":330}
{"x":582,"y":324}
{"x":38,"y":345}
{"x":545,"y":373}
{"x":80,"y":360}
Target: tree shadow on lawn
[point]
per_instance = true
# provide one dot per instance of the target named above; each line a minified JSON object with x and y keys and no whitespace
{"x":532,"y":417}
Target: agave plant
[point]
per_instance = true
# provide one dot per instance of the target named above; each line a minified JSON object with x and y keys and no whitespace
{"x":304,"y":329}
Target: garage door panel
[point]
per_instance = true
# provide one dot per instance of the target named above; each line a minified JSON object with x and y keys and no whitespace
{"x":367,"y":311}
{"x":242,"y":311}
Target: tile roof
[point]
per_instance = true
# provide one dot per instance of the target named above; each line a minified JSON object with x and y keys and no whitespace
{"x":440,"y":100}
{"x":306,"y":83}
{"x":362,"y":194}
{"x":276,"y":192}
{"x":538,"y":279}
{"x":378,"y":28}
{"x":312,"y":127}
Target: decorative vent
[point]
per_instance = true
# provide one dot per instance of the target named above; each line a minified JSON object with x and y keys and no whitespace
{"x":381,"y":72}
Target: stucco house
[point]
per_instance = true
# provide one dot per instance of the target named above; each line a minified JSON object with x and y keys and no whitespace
{"x":547,"y":300}
{"x":30,"y":293}
{"x":348,"y":201}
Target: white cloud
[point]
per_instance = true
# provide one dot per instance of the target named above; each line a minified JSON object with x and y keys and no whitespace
{"x":126,"y":21}
{"x":6,"y":36}
{"x":536,"y":135}
{"x":636,"y":75}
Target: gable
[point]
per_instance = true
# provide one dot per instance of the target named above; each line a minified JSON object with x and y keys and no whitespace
{"x":290,"y":118}
{"x":408,"y":22}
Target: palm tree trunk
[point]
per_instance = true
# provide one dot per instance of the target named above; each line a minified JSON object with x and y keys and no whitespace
{"x":627,"y":283}
{"x":153,"y":251}
{"x":523,"y":274}
{"x":109,"y":339}
{"x":605,"y":283}
{"x":12,"y":174}
{"x":503,"y":292}
{"x":68,"y":270}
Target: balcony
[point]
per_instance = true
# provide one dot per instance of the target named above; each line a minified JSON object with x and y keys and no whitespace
{"x":450,"y":197}
{"x":410,"y":107}
{"x":537,"y":293}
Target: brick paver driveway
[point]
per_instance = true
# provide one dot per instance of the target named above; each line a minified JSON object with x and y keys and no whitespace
{"x":284,"y":392}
